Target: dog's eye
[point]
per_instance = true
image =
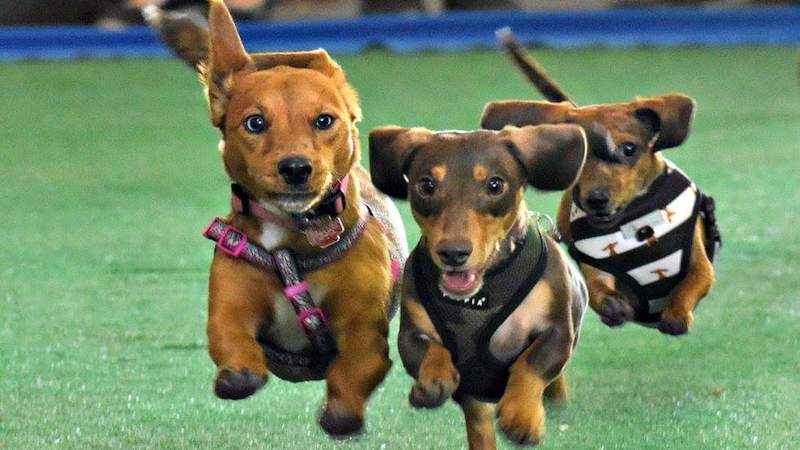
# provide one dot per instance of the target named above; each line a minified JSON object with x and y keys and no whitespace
{"x":324,"y":121}
{"x":495,"y":186}
{"x":628,"y":149}
{"x":426,"y":187}
{"x":255,"y":124}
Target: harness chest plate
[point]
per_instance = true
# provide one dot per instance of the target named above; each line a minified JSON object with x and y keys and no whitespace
{"x":467,"y":325}
{"x":649,"y":250}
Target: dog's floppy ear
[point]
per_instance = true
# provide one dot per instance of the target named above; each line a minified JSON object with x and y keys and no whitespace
{"x":226,"y":57}
{"x":390,"y":152}
{"x":318,"y":60}
{"x":519,"y":113}
{"x":670,"y":115}
{"x":552,"y":156}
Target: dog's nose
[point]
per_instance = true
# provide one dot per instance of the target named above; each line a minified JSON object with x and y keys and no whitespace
{"x":598,"y":199}
{"x":295,"y":171}
{"x":454,"y":253}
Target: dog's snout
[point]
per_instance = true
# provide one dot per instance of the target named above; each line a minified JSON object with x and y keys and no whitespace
{"x":454,"y":253}
{"x":598,"y":199}
{"x":295,"y":171}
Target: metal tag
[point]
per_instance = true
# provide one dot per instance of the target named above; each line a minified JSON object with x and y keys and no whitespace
{"x":324,"y":232}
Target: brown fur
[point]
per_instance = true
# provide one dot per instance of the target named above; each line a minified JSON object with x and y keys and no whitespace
{"x":185,"y":32}
{"x":289,"y":90}
{"x":652,"y":124}
{"x":459,"y":212}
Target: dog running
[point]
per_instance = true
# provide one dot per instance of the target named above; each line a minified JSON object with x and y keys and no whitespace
{"x":303,"y":278}
{"x":644,"y":234}
{"x":490,"y":310}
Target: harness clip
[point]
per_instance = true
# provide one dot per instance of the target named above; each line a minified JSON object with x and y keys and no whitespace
{"x":238,"y":241}
{"x":545,"y":225}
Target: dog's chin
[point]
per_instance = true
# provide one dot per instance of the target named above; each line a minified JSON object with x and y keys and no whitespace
{"x":460,"y":284}
{"x":294,"y":203}
{"x":603,"y":221}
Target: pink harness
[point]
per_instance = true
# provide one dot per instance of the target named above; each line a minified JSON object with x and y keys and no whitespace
{"x":289,"y":266}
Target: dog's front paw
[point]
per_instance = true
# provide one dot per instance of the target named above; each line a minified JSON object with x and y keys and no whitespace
{"x":340,"y":422}
{"x":434,"y":387}
{"x":675,"y":323}
{"x":521,"y":420}
{"x":235,"y":385}
{"x":614,"y":311}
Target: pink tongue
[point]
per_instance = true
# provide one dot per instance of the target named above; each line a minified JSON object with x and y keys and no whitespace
{"x":459,"y":281}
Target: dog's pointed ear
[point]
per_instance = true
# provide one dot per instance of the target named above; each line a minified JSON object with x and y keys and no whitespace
{"x":668,"y":115}
{"x":226,"y":56}
{"x":390,"y":153}
{"x":552,"y":155}
{"x":318,"y":60}
{"x":519,"y":113}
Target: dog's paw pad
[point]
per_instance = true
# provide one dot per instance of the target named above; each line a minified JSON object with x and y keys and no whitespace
{"x":431,"y":396}
{"x":434,"y":392}
{"x":674,"y":325}
{"x":233,"y":385}
{"x":520,"y":426}
{"x":339,"y":422}
{"x":615,"y":311}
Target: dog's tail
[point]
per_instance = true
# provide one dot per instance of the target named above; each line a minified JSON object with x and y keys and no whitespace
{"x":532,"y":70}
{"x":184,"y":32}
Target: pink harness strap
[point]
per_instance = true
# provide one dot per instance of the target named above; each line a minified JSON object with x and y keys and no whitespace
{"x":295,"y":290}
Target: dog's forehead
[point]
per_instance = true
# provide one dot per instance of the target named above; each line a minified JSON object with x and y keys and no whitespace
{"x":300,"y":86}
{"x":462,"y":150}
{"x":608,"y":117}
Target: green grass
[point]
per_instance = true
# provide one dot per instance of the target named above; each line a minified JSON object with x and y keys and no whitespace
{"x":110,"y":172}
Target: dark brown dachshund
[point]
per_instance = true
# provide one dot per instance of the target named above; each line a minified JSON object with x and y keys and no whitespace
{"x":302,"y":280}
{"x":644,"y":234}
{"x":490,"y":310}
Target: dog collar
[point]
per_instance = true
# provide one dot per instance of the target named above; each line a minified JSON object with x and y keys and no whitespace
{"x":331,"y":205}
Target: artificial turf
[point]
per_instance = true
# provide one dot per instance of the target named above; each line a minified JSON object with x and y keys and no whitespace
{"x":110,"y":172}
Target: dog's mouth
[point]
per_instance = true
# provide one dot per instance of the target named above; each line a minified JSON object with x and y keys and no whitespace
{"x":294,"y":202}
{"x":460,"y":283}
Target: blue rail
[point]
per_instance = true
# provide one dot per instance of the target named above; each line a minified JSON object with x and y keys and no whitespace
{"x":451,"y":31}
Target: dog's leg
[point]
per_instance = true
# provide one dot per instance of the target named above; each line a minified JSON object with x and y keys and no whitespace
{"x":520,"y":412}
{"x":562,"y":216}
{"x":480,"y":426}
{"x":677,"y":317}
{"x":361,"y":365}
{"x":437,"y":380}
{"x":233,"y":319}
{"x":425,"y":358}
{"x":558,"y":389}
{"x":612,"y":306}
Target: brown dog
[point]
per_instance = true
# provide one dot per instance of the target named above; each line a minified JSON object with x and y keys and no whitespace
{"x":644,"y":234}
{"x":302,"y":282}
{"x":490,"y":308}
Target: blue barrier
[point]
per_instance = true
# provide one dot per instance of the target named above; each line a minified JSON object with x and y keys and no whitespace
{"x":451,"y":31}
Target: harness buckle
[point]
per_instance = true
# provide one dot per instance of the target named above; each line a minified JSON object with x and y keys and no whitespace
{"x":545,"y":224}
{"x":238,"y":241}
{"x":312,"y":320}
